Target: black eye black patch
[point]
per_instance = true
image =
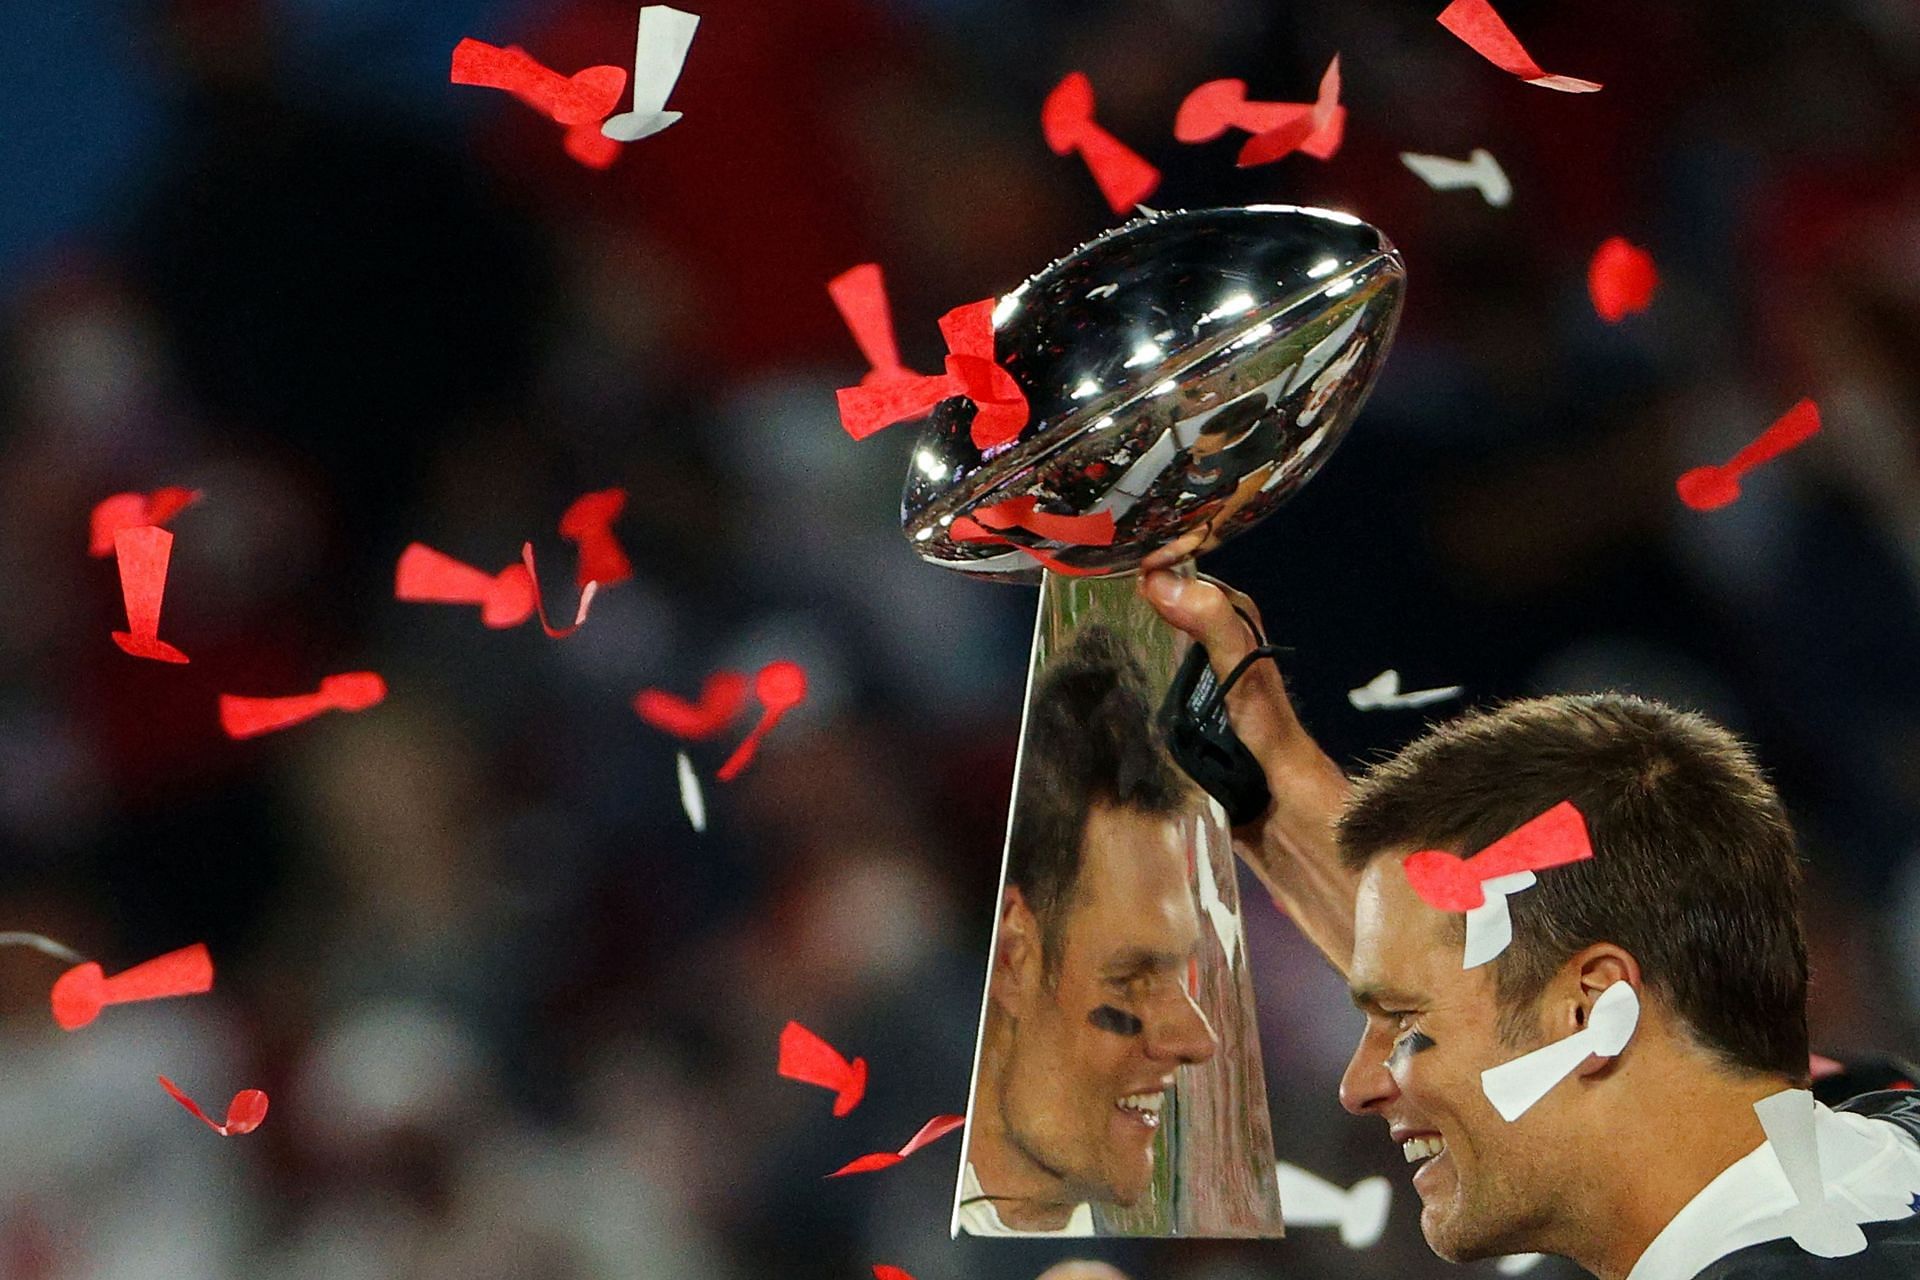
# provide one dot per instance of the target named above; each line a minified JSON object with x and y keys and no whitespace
{"x":1117,"y":1021}
{"x":1408,"y":1045}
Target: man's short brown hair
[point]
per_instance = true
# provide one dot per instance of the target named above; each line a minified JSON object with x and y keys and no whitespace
{"x":1090,"y":739}
{"x":1694,"y":868}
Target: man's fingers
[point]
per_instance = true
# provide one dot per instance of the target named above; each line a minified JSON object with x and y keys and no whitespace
{"x":1202,"y":609}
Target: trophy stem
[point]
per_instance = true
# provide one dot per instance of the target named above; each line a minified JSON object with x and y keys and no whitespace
{"x":1212,"y":1157}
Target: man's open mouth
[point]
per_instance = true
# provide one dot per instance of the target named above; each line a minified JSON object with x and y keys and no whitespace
{"x":1144,"y":1107}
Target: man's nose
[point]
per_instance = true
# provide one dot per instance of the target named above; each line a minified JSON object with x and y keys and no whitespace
{"x":1367,"y":1085}
{"x":1182,"y":1033}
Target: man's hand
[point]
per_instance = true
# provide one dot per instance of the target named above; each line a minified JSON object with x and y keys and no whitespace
{"x":1291,"y":847}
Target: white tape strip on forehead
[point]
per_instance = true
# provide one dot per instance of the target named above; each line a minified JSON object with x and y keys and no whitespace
{"x":1822,"y":1227}
{"x":1489,"y":926}
{"x":1308,"y":1200}
{"x":1513,"y":1087}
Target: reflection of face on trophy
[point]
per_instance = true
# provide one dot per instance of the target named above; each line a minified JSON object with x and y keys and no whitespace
{"x":1089,"y":1020}
{"x":1185,"y":374}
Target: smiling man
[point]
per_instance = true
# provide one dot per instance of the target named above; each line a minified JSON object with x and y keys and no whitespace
{"x":1651,"y":1163}
{"x":1089,"y":1019}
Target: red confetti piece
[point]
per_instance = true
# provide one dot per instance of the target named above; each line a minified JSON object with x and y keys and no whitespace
{"x":1317,"y":130}
{"x":248,"y":717}
{"x":579,"y":613}
{"x":780,"y":686}
{"x":1621,"y":279}
{"x":971,"y":372}
{"x":583,"y":98}
{"x":932,"y":1131}
{"x":807,"y":1058}
{"x":244,"y":1113}
{"x":721,"y":698}
{"x":586,"y":144}
{"x":588,"y":524}
{"x":967,"y":529}
{"x":1711,"y":487}
{"x":1066,"y":119}
{"x":129,"y":510}
{"x":82,"y":991}
{"x":1094,"y":530}
{"x":860,"y":296}
{"x":882,"y":1271}
{"x":970,"y":363}
{"x":426,"y":576}
{"x":1450,"y":883}
{"x":1475,"y":22}
{"x":142,"y":553}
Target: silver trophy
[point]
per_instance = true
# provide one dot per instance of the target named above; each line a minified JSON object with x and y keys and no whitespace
{"x":1185,"y":374}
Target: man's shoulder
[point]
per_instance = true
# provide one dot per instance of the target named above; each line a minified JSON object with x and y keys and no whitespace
{"x":1899,"y":1107}
{"x":1892,"y":1253}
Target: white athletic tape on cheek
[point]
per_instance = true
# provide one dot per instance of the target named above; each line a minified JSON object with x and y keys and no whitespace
{"x":1513,"y":1087}
{"x":1821,"y":1227}
{"x":1489,"y":925}
{"x":1308,"y":1200}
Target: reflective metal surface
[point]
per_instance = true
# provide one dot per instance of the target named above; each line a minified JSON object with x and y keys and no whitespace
{"x":1186,"y":373}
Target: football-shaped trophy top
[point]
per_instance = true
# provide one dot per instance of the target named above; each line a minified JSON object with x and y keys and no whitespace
{"x":1185,"y":374}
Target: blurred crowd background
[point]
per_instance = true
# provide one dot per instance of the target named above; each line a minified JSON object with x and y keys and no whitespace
{"x":517,"y":1019}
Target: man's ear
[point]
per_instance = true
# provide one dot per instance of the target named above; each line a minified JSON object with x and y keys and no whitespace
{"x":1017,"y":962}
{"x":1589,"y":973}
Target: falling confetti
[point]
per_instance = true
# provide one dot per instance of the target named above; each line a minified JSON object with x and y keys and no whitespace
{"x":1621,"y":280}
{"x":807,"y":1058}
{"x":971,"y":371}
{"x":932,"y":1131}
{"x":1211,"y":109}
{"x":1382,"y":693}
{"x":882,"y":1271}
{"x":1475,"y":22}
{"x":1479,"y":171}
{"x":1309,"y":1200}
{"x":127,"y":510}
{"x":579,"y":613}
{"x":244,"y":1113}
{"x":142,"y":553}
{"x":82,"y":991}
{"x":426,"y":576}
{"x":660,"y":51}
{"x":1448,"y":882}
{"x":780,"y":686}
{"x":1066,"y":119}
{"x":692,"y":801}
{"x":721,"y":698}
{"x":247,"y":717}
{"x":1318,"y":132}
{"x":588,"y":524}
{"x":43,"y":944}
{"x":860,"y":296}
{"x":583,"y":98}
{"x":1711,"y":487}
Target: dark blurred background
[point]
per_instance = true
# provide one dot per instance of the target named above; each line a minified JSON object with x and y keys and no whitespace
{"x":517,"y":1019}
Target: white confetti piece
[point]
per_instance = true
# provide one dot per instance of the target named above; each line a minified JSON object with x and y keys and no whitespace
{"x":692,"y":799}
{"x":660,"y":51}
{"x":1479,"y":171}
{"x":1382,"y":693}
{"x":1308,"y":1200}
{"x":1513,"y":1087}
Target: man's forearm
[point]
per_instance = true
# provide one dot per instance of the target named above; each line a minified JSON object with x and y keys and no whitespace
{"x":1293,"y":852}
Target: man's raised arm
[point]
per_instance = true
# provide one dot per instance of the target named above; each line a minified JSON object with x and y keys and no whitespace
{"x":1290,"y":847}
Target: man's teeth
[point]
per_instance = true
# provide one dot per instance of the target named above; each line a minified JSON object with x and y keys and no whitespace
{"x":1420,"y":1148}
{"x":1145,"y":1105}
